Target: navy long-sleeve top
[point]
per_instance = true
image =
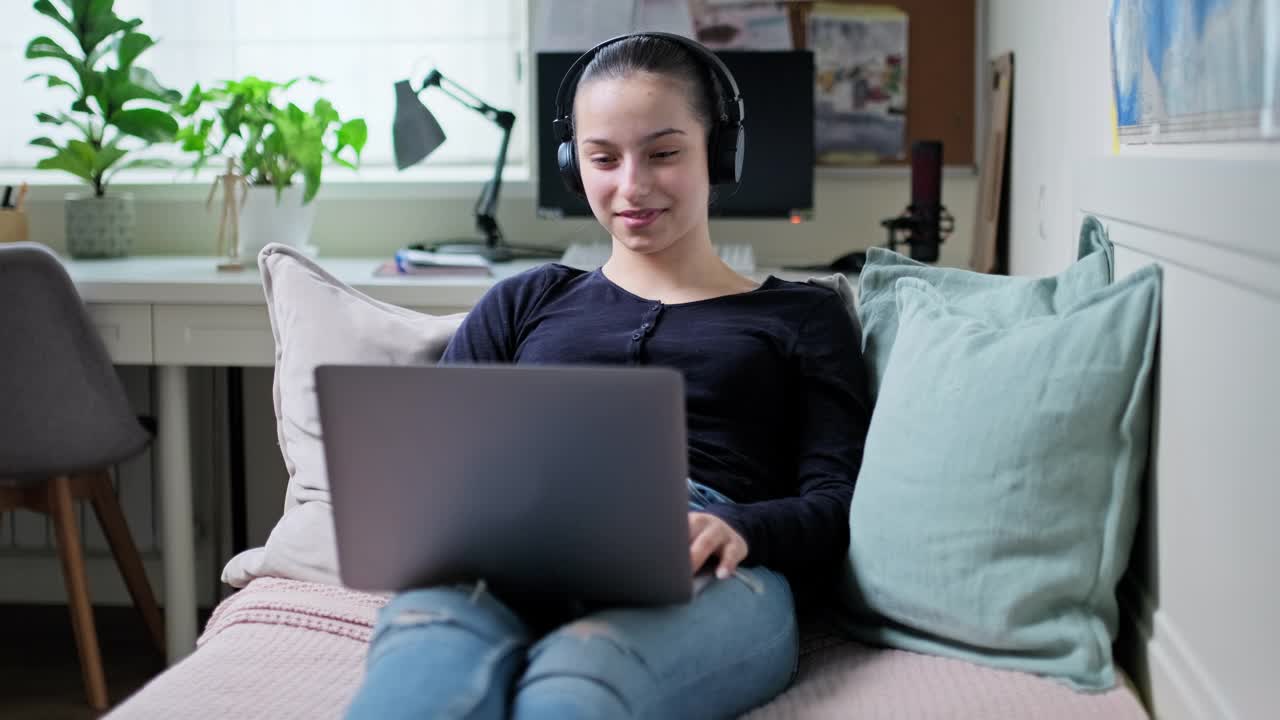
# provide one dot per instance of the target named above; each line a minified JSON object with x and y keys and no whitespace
{"x":776,"y":391}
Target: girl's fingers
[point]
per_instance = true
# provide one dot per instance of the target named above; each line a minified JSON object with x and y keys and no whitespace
{"x":733,"y":553}
{"x":703,"y":546}
{"x":709,"y":535}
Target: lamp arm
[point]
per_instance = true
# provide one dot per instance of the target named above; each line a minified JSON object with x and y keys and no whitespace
{"x":454,"y":90}
{"x":487,"y":204}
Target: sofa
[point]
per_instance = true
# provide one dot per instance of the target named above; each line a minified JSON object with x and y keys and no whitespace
{"x":291,"y":649}
{"x":990,"y":595}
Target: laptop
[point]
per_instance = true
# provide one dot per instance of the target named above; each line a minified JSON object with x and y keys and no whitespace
{"x":551,"y":481}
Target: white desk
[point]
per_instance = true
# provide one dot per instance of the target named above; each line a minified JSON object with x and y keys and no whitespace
{"x":176,"y":312}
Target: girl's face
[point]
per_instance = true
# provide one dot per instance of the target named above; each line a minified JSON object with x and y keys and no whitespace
{"x":643,"y":157}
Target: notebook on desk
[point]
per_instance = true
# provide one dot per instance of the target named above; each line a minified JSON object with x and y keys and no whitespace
{"x":391,"y":268}
{"x":408,"y":262}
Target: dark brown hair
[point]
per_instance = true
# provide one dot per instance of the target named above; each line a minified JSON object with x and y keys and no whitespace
{"x":646,"y":53}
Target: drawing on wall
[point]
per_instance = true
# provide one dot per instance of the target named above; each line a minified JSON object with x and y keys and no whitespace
{"x":741,"y":26}
{"x":860,"y":76}
{"x":1196,"y":70}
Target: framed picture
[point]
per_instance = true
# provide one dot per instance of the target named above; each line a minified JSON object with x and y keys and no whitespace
{"x":860,"y":76}
{"x":1195,"y":72}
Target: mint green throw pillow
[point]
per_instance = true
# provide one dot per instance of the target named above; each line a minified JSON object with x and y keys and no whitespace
{"x":996,"y":505}
{"x":1000,"y":298}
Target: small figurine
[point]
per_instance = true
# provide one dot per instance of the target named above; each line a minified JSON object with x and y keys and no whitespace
{"x":229,"y":247}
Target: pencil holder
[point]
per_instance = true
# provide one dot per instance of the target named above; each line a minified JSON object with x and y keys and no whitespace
{"x":13,"y":226}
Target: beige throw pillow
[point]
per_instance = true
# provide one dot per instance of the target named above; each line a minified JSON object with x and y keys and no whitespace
{"x":317,"y":319}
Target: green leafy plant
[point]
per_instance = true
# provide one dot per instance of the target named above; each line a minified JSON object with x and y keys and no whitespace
{"x":275,"y":142}
{"x":105,"y":111}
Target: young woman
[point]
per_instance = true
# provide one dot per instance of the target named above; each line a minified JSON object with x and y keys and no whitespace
{"x":777,"y":408}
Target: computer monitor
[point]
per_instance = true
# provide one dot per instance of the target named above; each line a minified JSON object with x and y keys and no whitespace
{"x":777,"y":171}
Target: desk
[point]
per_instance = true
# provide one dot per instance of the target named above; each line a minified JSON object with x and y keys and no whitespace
{"x":174,"y":312}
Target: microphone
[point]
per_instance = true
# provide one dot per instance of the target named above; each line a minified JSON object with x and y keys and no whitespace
{"x":926,"y":199}
{"x":923,"y":225}
{"x":925,"y":222}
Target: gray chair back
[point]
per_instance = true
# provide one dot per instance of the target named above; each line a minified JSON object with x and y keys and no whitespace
{"x":62,"y":406}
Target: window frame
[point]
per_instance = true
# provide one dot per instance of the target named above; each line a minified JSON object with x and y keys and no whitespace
{"x":421,"y":181}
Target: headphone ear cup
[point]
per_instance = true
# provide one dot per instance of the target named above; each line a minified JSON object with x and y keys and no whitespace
{"x":567,"y":160}
{"x":726,"y":154}
{"x":739,"y":151}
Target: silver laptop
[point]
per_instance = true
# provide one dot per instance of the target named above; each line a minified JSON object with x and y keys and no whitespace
{"x":546,"y":480}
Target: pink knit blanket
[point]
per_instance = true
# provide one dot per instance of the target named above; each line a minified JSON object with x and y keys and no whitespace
{"x":290,"y":649}
{"x":293,"y":603}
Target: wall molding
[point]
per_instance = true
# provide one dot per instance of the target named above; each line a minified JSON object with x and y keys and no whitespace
{"x":1214,"y":202}
{"x":1196,"y":635}
{"x":1176,"y":685}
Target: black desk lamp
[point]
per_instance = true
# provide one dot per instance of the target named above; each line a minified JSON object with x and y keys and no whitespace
{"x":416,"y":134}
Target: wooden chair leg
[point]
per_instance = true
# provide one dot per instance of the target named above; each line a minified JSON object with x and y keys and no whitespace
{"x":69,"y":551}
{"x":116,"y":529}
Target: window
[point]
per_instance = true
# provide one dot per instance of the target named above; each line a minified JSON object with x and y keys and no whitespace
{"x":359,"y":48}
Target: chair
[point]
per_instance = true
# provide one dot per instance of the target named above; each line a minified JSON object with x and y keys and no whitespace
{"x":64,"y":420}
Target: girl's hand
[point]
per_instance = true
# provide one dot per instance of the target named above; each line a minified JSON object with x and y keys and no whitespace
{"x":709,"y":535}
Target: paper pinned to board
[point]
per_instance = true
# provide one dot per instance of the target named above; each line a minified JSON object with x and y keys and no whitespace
{"x":567,"y":25}
{"x":672,"y":16}
{"x":741,"y":26}
{"x":860,"y":93}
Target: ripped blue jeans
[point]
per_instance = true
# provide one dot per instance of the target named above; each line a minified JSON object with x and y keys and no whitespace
{"x":460,"y":652}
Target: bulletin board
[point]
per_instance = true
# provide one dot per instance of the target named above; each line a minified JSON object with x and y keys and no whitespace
{"x":940,"y":73}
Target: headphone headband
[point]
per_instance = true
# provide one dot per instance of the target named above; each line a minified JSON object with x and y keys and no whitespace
{"x":731,"y":106}
{"x":727,"y":137}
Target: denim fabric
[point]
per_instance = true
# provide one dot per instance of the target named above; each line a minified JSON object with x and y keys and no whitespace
{"x":701,"y":496}
{"x":461,"y":652}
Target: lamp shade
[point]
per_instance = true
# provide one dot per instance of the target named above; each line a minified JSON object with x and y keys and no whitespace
{"x":415,"y":132}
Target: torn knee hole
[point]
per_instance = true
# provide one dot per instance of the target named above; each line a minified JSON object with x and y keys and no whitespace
{"x":587,"y":629}
{"x":417,"y":617}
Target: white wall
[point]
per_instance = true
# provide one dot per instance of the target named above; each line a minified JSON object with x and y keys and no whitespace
{"x":1061,"y":115}
{"x":1204,"y":569}
{"x":1062,"y":119}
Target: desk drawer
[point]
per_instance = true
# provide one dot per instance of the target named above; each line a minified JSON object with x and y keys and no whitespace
{"x":126,"y":331}
{"x":221,"y":335}
{"x":214,"y":335}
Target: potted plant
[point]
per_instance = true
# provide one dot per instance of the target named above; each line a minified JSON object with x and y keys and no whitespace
{"x":276,"y":144}
{"x":110,"y":118}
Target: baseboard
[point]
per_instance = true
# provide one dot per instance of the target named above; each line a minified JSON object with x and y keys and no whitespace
{"x":1173,"y":683}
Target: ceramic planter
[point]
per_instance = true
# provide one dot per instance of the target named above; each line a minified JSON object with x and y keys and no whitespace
{"x":99,"y":227}
{"x":263,"y":220}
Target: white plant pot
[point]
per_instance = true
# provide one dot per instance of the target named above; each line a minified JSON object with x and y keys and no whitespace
{"x":263,"y":220}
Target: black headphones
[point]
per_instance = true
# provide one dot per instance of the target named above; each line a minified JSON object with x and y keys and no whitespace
{"x":728,"y":138}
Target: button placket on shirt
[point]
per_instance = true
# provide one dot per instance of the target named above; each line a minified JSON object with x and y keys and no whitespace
{"x":647,"y":322}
